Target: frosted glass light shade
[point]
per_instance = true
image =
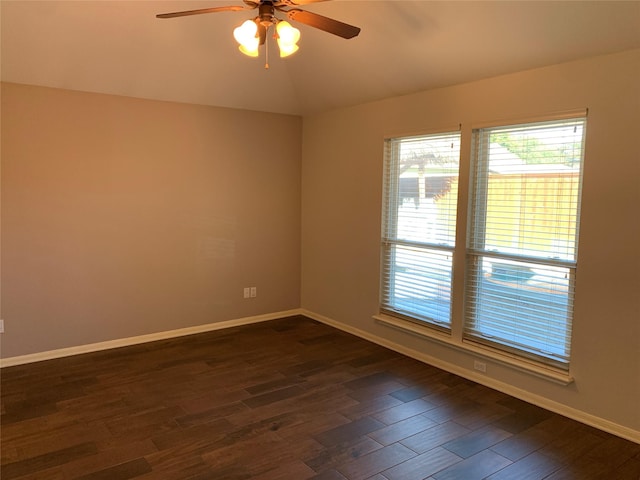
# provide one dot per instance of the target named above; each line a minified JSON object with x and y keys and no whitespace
{"x":288,"y":37}
{"x":246,"y":36}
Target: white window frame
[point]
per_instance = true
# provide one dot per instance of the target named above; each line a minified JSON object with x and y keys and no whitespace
{"x":504,"y":310}
{"x":429,"y":263}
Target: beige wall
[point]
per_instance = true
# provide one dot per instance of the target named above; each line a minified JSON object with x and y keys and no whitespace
{"x":124,"y":217}
{"x":341,"y":203}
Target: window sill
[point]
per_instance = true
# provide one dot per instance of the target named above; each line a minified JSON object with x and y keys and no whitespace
{"x":546,"y":373}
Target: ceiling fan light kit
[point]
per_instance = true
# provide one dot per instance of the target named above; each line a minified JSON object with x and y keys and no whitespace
{"x":253,"y":33}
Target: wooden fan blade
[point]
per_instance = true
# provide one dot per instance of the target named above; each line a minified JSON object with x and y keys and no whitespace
{"x":203,"y":10}
{"x":327,"y":24}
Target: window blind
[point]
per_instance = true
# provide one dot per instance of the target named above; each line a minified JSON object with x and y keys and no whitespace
{"x":419,"y":226}
{"x":522,"y":245}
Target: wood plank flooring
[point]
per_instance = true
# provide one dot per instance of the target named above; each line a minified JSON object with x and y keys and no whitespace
{"x":286,"y":399}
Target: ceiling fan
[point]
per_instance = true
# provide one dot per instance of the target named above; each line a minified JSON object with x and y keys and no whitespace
{"x":287,"y":36}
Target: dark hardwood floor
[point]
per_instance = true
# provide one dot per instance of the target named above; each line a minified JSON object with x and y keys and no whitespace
{"x":287,"y":399}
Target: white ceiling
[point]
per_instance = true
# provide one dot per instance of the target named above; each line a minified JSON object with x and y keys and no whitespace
{"x":119,"y":47}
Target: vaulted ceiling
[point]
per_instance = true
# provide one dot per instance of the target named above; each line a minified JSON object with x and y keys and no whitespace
{"x":120,"y":47}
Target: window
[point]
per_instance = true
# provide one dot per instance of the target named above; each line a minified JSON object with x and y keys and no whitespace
{"x":518,"y":266}
{"x":419,"y":227}
{"x":522,"y":241}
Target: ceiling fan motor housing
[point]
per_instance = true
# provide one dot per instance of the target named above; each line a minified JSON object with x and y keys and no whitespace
{"x":266,"y":13}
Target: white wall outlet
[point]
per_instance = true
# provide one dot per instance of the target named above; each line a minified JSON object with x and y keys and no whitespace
{"x":254,"y":292}
{"x":480,"y":366}
{"x":247,"y":292}
{"x":1,"y":326}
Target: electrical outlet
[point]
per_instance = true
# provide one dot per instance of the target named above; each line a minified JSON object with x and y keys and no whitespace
{"x":247,"y":292}
{"x":1,"y":326}
{"x":254,"y":292}
{"x":480,"y":366}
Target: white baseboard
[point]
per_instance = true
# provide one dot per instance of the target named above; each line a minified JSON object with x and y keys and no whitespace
{"x":578,"y":415}
{"x":125,"y":342}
